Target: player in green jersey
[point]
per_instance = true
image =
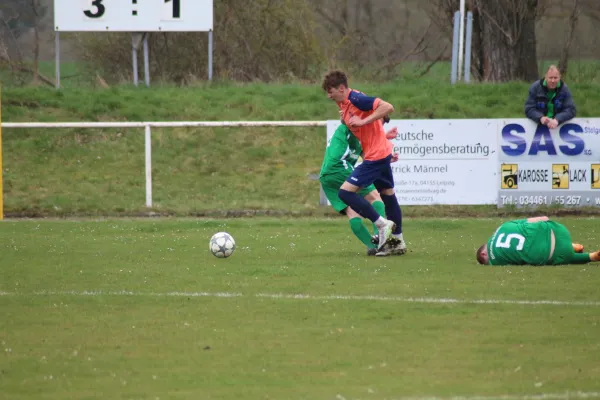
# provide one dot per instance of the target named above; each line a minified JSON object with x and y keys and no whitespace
{"x":342,"y":153}
{"x":533,"y":241}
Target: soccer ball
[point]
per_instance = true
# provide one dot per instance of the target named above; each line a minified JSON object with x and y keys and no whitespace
{"x":222,"y":245}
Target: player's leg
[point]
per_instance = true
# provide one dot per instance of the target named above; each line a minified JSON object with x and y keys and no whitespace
{"x":564,"y":251}
{"x":396,"y":244}
{"x":392,"y":209}
{"x":581,"y":258}
{"x":360,"y":230}
{"x":330,"y":187}
{"x":385,"y":186}
{"x":362,"y":176}
{"x":371,"y":194}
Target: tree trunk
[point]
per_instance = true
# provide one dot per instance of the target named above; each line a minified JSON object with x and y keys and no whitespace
{"x":563,"y":64}
{"x":527,"y":68}
{"x":509,"y":43}
{"x":36,"y":45}
{"x":477,"y":54}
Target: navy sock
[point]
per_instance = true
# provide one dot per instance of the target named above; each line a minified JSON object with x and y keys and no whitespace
{"x":393,"y":211}
{"x":359,"y":204}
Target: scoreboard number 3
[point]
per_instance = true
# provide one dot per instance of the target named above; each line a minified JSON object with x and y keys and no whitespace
{"x":96,"y":9}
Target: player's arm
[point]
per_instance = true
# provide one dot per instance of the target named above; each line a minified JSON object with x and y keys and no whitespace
{"x":338,"y":145}
{"x":383,"y":109}
{"x":380,"y":108}
{"x":392,"y":133}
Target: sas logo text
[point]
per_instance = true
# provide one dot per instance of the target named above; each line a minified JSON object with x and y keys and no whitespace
{"x":568,"y":141}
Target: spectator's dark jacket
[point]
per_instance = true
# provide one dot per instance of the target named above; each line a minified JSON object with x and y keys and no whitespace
{"x":536,"y":105}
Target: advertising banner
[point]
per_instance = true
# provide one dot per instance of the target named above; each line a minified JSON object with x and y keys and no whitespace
{"x":443,"y":161}
{"x":542,"y":166}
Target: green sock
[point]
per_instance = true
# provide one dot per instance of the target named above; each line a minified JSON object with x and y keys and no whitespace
{"x":580,"y":258}
{"x":361,"y":232}
{"x":380,"y":208}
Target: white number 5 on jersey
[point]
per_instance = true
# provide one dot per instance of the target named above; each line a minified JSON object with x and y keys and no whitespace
{"x":505,"y":242}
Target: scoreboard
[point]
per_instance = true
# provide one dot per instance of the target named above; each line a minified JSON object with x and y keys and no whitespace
{"x":133,"y":15}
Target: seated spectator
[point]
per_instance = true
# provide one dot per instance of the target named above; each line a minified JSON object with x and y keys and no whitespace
{"x":550,"y":102}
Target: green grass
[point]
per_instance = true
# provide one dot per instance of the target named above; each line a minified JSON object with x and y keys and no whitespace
{"x":206,"y":171}
{"x":129,"y":309}
{"x":86,"y":313}
{"x":77,"y":75}
{"x":73,"y":75}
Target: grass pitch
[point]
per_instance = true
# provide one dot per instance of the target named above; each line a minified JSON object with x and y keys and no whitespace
{"x":139,"y":309}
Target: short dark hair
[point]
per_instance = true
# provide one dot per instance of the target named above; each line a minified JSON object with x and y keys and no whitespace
{"x":480,"y":258}
{"x":334,"y":79}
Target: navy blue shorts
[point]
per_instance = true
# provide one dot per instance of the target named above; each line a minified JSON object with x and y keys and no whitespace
{"x":378,"y":172}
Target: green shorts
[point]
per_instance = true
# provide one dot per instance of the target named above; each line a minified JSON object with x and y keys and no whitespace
{"x":331,"y":185}
{"x":563,"y":248}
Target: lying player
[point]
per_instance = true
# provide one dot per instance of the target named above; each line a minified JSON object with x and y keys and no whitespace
{"x":533,"y":241}
{"x":341,"y":155}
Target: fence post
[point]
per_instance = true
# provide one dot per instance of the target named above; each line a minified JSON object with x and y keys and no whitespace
{"x":148,"y":142}
{"x":134,"y":59}
{"x":210,"y":55}
{"x":461,"y":40}
{"x":454,"y":72}
{"x":57,"y":59}
{"x":468,"y":47}
{"x":146,"y":61}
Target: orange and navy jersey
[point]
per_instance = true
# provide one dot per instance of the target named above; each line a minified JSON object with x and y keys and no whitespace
{"x":371,"y":136}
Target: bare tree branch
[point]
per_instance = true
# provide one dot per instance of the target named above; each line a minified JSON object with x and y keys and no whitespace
{"x":493,"y":20}
{"x":340,"y":27}
{"x":36,"y":37}
{"x":419,"y":47}
{"x":435,"y":61}
{"x":13,"y":38}
{"x":41,"y":77}
{"x":563,"y":64}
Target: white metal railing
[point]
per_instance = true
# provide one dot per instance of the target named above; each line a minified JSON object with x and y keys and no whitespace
{"x":147,"y":129}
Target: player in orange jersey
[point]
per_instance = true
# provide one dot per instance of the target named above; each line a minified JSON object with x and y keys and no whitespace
{"x":362,"y":114}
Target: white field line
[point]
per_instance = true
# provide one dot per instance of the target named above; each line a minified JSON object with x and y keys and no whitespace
{"x":540,"y":396}
{"x":431,"y":300}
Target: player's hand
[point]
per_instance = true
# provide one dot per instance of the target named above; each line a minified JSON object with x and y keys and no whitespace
{"x":553,"y":123}
{"x":356,"y":122}
{"x":392,"y":133}
{"x":395,"y":157}
{"x":544,"y":120}
{"x":341,"y":115}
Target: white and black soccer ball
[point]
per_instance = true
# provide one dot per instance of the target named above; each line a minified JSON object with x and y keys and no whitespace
{"x":222,"y":245}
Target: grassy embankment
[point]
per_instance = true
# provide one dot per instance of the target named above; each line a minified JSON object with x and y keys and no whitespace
{"x":206,"y":171}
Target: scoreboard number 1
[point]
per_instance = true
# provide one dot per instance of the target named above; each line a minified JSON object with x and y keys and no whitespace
{"x":172,"y":9}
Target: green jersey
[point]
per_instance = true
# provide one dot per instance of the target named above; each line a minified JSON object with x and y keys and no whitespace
{"x":342,"y":153}
{"x":520,"y":242}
